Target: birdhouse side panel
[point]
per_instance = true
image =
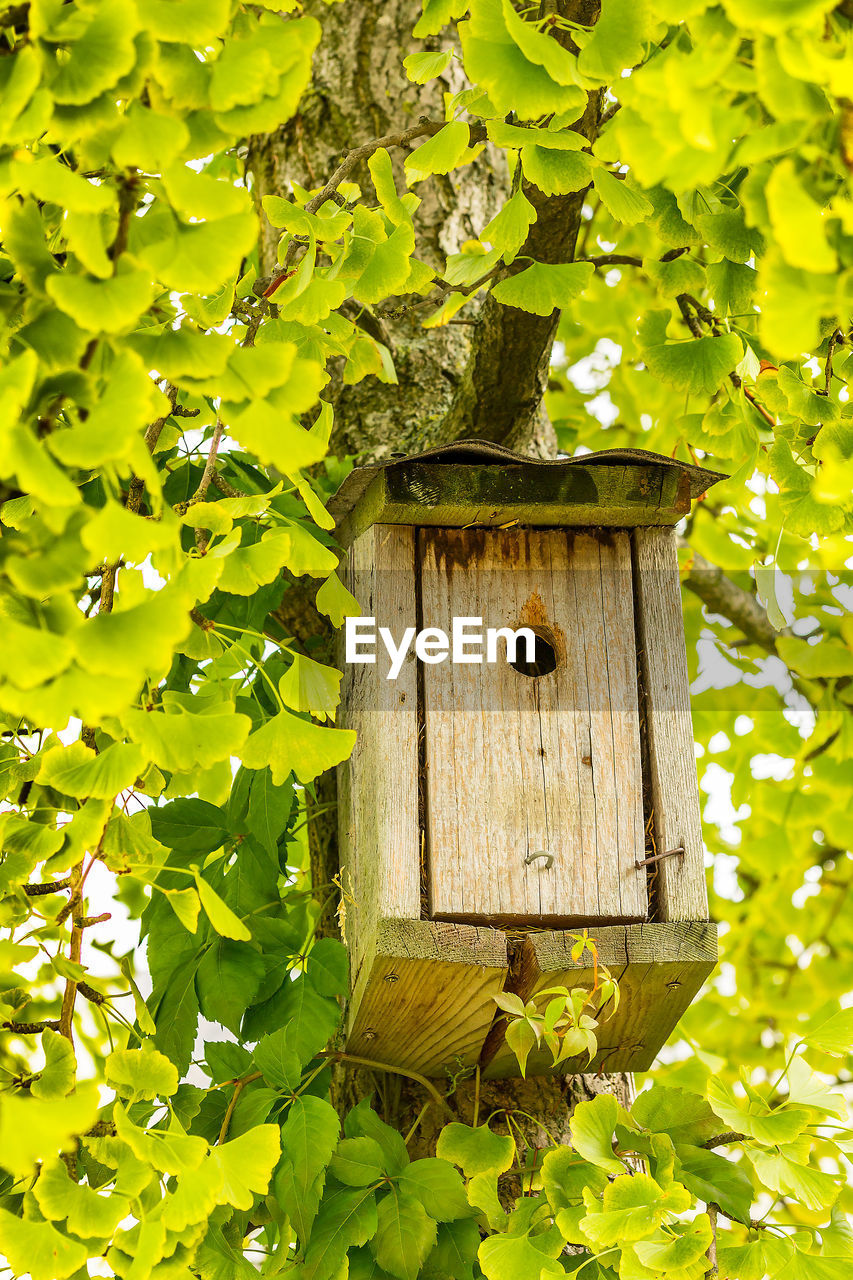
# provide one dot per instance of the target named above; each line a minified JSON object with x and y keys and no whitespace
{"x":378,"y":786}
{"x":680,"y":887}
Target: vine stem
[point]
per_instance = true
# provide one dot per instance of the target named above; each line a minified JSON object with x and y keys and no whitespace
{"x":339,"y":1056}
{"x":239,"y":1086}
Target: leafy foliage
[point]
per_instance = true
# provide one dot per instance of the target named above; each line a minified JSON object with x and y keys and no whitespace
{"x":164,"y":438}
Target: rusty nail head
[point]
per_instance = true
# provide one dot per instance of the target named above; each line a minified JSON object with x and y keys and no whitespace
{"x":370,"y":1034}
{"x":391,"y":977}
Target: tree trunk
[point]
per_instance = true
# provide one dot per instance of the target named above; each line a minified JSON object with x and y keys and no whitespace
{"x":453,"y":382}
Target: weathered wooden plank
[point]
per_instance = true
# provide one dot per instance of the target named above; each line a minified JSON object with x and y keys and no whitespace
{"x":518,"y":765}
{"x":682,"y":892}
{"x":425,"y":996}
{"x":660,"y":969}
{"x":378,"y":828}
{"x":602,"y":494}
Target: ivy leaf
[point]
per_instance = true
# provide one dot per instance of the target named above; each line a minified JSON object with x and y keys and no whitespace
{"x":347,"y":1217}
{"x":141,"y":1074}
{"x":328,"y":967}
{"x":542,"y":288}
{"x":227,"y":980}
{"x":358,"y":1162}
{"x":311,"y":1019}
{"x":279,"y":1064}
{"x":219,"y":913}
{"x":308,"y":1138}
{"x":475,"y":1150}
{"x":363,"y":1121}
{"x":455,"y":1251}
{"x":405,"y":1234}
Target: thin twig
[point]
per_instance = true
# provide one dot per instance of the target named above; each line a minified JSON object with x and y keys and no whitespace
{"x":713,"y":1269}
{"x":397,"y":1071}
{"x":239,"y":1086}
{"x":54,"y":886}
{"x":210,"y":465}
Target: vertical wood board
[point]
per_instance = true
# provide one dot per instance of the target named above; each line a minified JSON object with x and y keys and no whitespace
{"x":677,"y":823}
{"x":378,"y":786}
{"x":517,"y":764}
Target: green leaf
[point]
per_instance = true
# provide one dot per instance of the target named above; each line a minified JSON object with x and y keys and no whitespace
{"x":437,"y":1185}
{"x":455,"y":1251}
{"x":421,"y":67}
{"x":190,"y":826}
{"x":505,"y":1257}
{"x":565,"y":1175}
{"x":310,"y":686}
{"x":311,"y":1019}
{"x":716,"y":1180}
{"x":246,"y":1164}
{"x":219,"y":913}
{"x":475,"y":1150}
{"x":405,"y":1234}
{"x":358,"y":1162}
{"x":181,"y":740}
{"x":279,"y":1064}
{"x":289,"y":744}
{"x":88,"y":1214}
{"x":508,"y":229}
{"x":347,"y":1217}
{"x":140,"y":1074}
{"x":102,"y":52}
{"x":753,"y":1116}
{"x":633,"y":1205}
{"x":227,"y":981}
{"x":544,"y":287}
{"x":787,"y":1172}
{"x":35,"y":1129}
{"x":103,"y":306}
{"x":617,"y":41}
{"x":698,"y":366}
{"x":593,"y":1125}
{"x":308,"y":1138}
{"x":269,"y":810}
{"x":78,"y":771}
{"x":38,"y":1250}
{"x":681,"y":1247}
{"x":521,"y":1038}
{"x":833,"y":1035}
{"x":58,"y":1075}
{"x":336,"y":602}
{"x":557,"y":172}
{"x":620,"y":200}
{"x":328,"y":967}
{"x":798,"y":222}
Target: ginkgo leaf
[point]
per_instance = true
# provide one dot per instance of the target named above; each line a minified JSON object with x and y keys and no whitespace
{"x":441,"y":153}
{"x":544,"y":287}
{"x":309,"y":686}
{"x":508,"y":229}
{"x":38,"y":1250}
{"x":288,"y":744}
{"x":621,"y":200}
{"x":141,"y":1074}
{"x":77,"y":770}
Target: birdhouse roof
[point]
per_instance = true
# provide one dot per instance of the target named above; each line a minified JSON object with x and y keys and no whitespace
{"x":473,"y":482}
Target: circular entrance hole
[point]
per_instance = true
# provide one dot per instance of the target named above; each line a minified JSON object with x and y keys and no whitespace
{"x":544,"y":658}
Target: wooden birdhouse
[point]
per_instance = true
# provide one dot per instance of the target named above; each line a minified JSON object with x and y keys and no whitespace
{"x":493,"y":809}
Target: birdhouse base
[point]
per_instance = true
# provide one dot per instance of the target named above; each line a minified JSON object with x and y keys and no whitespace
{"x":423,"y":999}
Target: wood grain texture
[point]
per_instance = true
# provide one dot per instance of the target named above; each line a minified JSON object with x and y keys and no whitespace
{"x":516,"y":765}
{"x":682,"y":891}
{"x":600,"y":494}
{"x":378,"y":786}
{"x":659,"y":967}
{"x":425,"y":996}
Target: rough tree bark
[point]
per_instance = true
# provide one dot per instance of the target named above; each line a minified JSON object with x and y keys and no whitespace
{"x":485,"y":379}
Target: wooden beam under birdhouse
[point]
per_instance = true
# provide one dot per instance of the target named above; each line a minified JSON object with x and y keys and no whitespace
{"x":659,"y":968}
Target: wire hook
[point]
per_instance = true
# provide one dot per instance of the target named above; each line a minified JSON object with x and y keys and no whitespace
{"x":540,"y":853}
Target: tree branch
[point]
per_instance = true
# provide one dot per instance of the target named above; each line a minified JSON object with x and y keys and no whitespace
{"x":500,"y":394}
{"x":719,"y":594}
